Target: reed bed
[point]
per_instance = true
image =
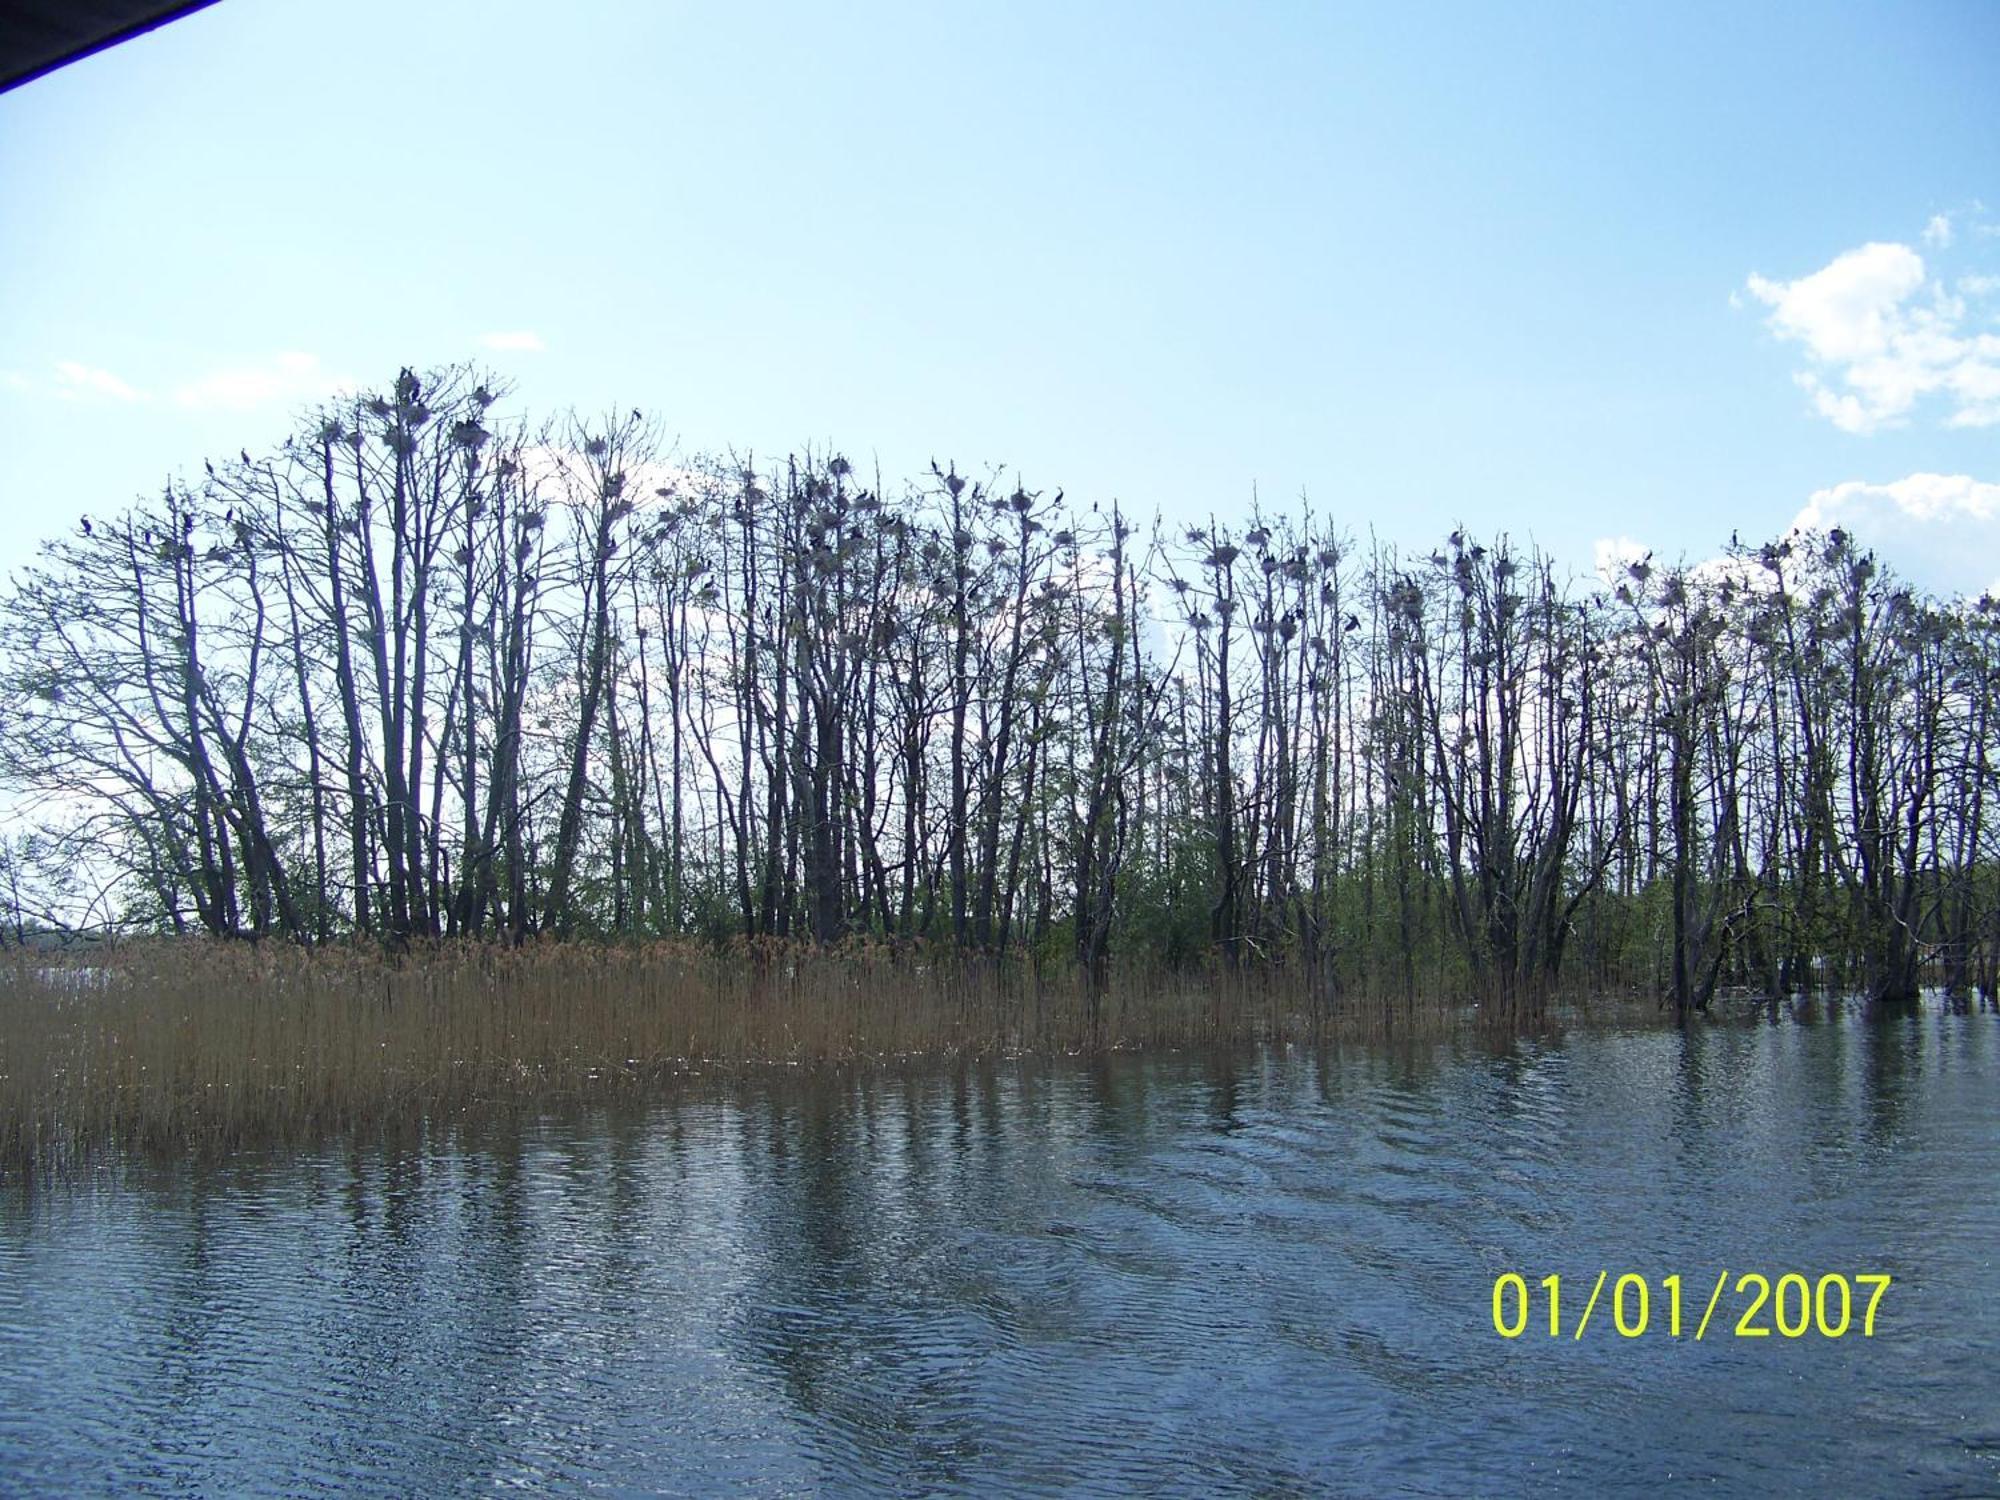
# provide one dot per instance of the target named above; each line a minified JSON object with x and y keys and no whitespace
{"x":191,"y":1047}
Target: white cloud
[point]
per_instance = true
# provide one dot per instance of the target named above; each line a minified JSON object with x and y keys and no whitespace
{"x":1848,"y":310}
{"x":1938,"y":231}
{"x":1880,"y":336}
{"x":520,"y":341}
{"x":74,"y":380}
{"x":282,"y":379}
{"x":1942,"y":531}
{"x":1921,"y":497}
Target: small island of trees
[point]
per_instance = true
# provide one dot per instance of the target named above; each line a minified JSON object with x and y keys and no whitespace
{"x":427,"y":672}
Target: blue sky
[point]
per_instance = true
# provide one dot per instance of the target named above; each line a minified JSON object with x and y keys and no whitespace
{"x":1579,"y":273}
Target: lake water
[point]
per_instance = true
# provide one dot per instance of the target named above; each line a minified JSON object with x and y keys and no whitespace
{"x":1258,"y":1273}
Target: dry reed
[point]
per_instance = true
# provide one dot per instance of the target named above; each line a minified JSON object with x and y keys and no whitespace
{"x":193,"y":1047}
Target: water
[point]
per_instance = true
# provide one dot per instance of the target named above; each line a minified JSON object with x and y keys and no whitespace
{"x":1263,"y":1273}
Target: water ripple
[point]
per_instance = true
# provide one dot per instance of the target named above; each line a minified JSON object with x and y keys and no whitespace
{"x":1255,"y":1274}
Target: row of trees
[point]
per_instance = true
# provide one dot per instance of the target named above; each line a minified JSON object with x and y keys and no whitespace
{"x":426,"y":671}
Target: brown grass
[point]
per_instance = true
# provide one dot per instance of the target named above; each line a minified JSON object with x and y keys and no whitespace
{"x":192,"y":1047}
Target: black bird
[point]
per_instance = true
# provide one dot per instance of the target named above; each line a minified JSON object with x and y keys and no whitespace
{"x":244,"y":454}
{"x":86,"y":525}
{"x":1353,"y":624}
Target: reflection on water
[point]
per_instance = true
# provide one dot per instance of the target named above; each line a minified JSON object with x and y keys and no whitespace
{"x":1262,"y":1273}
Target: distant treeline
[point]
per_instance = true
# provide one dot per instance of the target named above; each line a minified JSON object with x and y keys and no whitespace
{"x":425,"y":671}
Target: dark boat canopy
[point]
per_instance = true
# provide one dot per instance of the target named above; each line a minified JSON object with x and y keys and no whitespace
{"x":39,"y":36}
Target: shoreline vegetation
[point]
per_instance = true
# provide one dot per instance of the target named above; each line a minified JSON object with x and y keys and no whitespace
{"x":172,"y":1046}
{"x":193,"y":1047}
